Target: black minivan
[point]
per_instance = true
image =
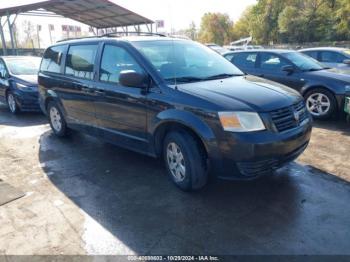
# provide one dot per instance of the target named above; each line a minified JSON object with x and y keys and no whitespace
{"x":176,"y":99}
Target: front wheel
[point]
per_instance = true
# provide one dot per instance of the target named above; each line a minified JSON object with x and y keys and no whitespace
{"x":320,"y":103}
{"x":185,"y":161}
{"x":12,"y":104}
{"x":56,"y":120}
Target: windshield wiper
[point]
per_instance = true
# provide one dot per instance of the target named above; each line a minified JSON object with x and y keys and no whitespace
{"x":314,"y":69}
{"x":221,"y":76}
{"x":185,"y":79}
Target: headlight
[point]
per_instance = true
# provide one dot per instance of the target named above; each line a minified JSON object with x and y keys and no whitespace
{"x":241,"y":121}
{"x":24,"y":87}
{"x":347,"y":88}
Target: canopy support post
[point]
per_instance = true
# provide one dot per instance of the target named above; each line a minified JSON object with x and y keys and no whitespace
{"x":14,"y":51}
{"x":4,"y":49}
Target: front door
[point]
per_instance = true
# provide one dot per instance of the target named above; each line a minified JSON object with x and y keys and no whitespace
{"x":270,"y":66}
{"x":120,"y":111}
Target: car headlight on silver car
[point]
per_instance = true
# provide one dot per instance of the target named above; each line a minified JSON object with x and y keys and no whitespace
{"x":241,"y":121}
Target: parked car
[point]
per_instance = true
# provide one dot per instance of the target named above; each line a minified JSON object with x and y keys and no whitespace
{"x":18,"y":82}
{"x":219,"y":49}
{"x":323,"y":89}
{"x":242,"y":47}
{"x":330,"y":56}
{"x":233,"y":47}
{"x":175,"y":99}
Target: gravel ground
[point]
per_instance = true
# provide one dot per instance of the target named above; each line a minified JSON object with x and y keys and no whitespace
{"x":329,"y":149}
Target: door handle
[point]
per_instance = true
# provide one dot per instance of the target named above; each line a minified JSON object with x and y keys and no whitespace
{"x":99,"y":92}
{"x":87,"y":90}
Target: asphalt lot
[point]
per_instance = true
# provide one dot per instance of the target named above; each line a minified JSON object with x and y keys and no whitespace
{"x":84,"y":196}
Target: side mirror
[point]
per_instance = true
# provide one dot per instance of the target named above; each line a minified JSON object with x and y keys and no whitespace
{"x":288,"y":68}
{"x":2,"y":75}
{"x":346,"y":61}
{"x":131,"y":78}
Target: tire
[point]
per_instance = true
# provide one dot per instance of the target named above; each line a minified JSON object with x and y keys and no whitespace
{"x":56,"y":119}
{"x":12,"y":104}
{"x":314,"y":100}
{"x":190,"y":156}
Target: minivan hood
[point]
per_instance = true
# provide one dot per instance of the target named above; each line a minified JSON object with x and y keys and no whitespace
{"x":334,"y":73}
{"x":27,"y":79}
{"x":244,"y":93}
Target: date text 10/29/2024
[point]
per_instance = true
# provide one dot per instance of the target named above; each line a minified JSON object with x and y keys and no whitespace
{"x":173,"y":258}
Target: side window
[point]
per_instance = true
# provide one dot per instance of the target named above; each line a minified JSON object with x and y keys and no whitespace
{"x":3,"y":70}
{"x":312,"y":54}
{"x":331,"y":57}
{"x":114,"y":60}
{"x":81,"y":60}
{"x":229,"y":57}
{"x":244,"y":60}
{"x":272,"y":62}
{"x":52,"y":59}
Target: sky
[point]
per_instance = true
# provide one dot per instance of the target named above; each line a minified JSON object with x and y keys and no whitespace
{"x":177,"y":14}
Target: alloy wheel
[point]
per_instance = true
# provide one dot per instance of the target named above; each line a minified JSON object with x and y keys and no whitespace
{"x":11,"y":102}
{"x":318,"y":104}
{"x":176,"y":162}
{"x":56,"y":119}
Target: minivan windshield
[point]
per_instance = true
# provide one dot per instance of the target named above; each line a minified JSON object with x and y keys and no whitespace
{"x":182,"y":61}
{"x":24,"y":66}
{"x":303,"y":62}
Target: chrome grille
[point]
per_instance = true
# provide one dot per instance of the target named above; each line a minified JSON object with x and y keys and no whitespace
{"x":289,"y":117}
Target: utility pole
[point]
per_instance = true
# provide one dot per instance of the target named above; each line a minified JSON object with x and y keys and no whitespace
{"x":37,"y":33}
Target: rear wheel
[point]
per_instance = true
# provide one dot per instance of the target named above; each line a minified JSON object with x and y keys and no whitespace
{"x":56,"y":120}
{"x":185,"y":161}
{"x":12,"y":104}
{"x":320,"y":103}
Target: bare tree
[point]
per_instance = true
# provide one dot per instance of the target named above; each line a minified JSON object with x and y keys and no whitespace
{"x":29,"y":34}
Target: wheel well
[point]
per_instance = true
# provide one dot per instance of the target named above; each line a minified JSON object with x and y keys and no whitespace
{"x":6,"y":92}
{"x":317,"y":87}
{"x":165,"y":128}
{"x":47,"y":101}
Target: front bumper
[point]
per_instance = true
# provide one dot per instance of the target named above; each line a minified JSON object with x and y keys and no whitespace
{"x":27,"y":101}
{"x":250,"y":155}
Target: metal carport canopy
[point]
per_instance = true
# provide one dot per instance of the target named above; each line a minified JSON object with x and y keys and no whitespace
{"x":95,"y":13}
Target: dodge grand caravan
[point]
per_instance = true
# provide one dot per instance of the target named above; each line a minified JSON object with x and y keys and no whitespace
{"x":175,"y":99}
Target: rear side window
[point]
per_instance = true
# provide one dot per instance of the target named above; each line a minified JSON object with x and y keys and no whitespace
{"x":52,"y":59}
{"x":244,"y":60}
{"x":115,"y":60}
{"x":332,"y":57}
{"x":312,"y":54}
{"x":81,"y":60}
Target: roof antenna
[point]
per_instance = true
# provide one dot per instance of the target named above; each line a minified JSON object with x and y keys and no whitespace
{"x":173,"y":45}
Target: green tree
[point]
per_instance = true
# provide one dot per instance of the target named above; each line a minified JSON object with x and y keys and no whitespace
{"x":242,"y":27}
{"x":342,"y":18}
{"x":216,"y":28}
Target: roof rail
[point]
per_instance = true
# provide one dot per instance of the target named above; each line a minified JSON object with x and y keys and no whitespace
{"x":75,"y":38}
{"x":133,"y":33}
{"x":115,"y":34}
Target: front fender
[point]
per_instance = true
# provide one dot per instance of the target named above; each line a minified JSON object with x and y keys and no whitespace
{"x":194,"y":123}
{"x":185,"y":118}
